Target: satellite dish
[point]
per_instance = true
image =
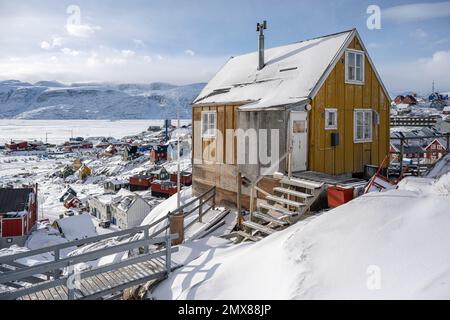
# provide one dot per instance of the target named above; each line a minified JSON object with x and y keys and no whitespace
{"x":308,"y":107}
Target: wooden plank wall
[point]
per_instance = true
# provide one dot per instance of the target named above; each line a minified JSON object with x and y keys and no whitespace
{"x":218,"y":156}
{"x":347,"y":157}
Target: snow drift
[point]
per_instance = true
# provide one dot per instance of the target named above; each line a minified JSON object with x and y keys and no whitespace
{"x":391,"y":245}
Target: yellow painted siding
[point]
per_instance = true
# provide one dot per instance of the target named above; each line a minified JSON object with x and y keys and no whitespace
{"x":347,"y":157}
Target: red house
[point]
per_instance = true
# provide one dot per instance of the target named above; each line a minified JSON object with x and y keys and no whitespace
{"x":18,"y":215}
{"x":17,"y":145}
{"x":140,"y":182}
{"x":158,"y":153}
{"x":438,"y":145}
{"x":163,"y":189}
{"x":185,"y":178}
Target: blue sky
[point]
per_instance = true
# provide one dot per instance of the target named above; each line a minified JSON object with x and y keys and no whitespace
{"x":187,"y":41}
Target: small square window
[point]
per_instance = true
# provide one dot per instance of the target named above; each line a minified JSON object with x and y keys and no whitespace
{"x":354,"y":67}
{"x":363,"y":122}
{"x":209,"y":124}
{"x":330,"y":119}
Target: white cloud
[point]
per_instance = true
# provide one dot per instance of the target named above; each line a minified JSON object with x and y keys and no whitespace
{"x":56,"y":42}
{"x":45,"y":45}
{"x":417,"y":11}
{"x":81,"y":30}
{"x":190,"y":52}
{"x":109,"y":65}
{"x":139,"y":43}
{"x":128,"y":53}
{"x":417,"y":75}
{"x":420,"y":34}
{"x":70,"y":52}
{"x":373,"y":45}
{"x":159,"y":57}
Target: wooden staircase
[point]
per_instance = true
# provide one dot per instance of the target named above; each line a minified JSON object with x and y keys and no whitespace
{"x":283,"y":207}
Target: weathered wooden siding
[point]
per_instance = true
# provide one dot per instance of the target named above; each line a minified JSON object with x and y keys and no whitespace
{"x":214,"y":159}
{"x":347,"y":157}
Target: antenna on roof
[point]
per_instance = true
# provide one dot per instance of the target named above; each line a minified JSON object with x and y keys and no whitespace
{"x":260,"y":27}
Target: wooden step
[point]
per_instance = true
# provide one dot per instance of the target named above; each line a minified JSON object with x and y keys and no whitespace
{"x":302,"y":183}
{"x":257,"y":227}
{"x":283,"y":211}
{"x":285,"y":201}
{"x":245,"y":235}
{"x":269,"y":218}
{"x":293,"y":192}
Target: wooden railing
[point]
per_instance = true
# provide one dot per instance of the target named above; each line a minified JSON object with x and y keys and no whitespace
{"x":404,"y":140}
{"x":203,"y":200}
{"x":406,"y":121}
{"x":54,"y":269}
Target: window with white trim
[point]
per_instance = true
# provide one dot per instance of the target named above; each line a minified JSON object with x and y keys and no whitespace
{"x":354,"y":67}
{"x":363,"y":123}
{"x":209,"y":124}
{"x":330,"y":119}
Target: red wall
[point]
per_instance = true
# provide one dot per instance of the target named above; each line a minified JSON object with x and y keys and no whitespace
{"x":12,"y":227}
{"x":140,"y":182}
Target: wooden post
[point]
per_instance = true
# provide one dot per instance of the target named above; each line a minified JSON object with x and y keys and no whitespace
{"x":169,"y":254}
{"x":176,"y":226}
{"x":252,"y":195}
{"x":402,"y":142}
{"x":448,"y":143}
{"x":146,"y":238}
{"x":200,"y":210}
{"x":56,"y":273}
{"x":238,"y":200}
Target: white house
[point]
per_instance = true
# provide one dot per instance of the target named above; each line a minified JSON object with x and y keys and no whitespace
{"x":129,"y":209}
{"x":100,"y":206}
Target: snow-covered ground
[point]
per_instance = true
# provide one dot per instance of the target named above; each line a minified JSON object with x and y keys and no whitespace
{"x":392,"y":245}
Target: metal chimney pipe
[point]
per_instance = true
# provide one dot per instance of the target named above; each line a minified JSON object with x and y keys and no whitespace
{"x":260,"y":27}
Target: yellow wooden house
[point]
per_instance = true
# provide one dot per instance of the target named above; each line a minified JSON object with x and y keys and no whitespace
{"x":323,"y":97}
{"x":84,"y":171}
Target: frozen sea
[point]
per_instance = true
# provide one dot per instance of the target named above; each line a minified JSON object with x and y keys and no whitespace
{"x":59,"y":131}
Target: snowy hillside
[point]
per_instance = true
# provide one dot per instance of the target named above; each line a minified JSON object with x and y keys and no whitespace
{"x":54,"y":100}
{"x":391,"y":245}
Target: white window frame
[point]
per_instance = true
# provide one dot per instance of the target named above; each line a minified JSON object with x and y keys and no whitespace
{"x":211,"y":131}
{"x":328,"y":111}
{"x":356,"y":52}
{"x":365,"y":113}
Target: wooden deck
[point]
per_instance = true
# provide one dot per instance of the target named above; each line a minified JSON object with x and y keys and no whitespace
{"x":327,"y":178}
{"x":102,"y":285}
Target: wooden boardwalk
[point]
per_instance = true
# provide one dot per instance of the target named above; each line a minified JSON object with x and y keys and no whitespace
{"x":101,"y":285}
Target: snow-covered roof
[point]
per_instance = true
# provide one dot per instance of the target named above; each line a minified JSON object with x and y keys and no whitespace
{"x":290,"y":74}
{"x":77,"y":227}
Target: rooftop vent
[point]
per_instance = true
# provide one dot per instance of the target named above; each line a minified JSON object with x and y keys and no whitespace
{"x":260,"y":27}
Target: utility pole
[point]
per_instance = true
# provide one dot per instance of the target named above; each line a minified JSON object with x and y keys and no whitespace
{"x":178,"y":158}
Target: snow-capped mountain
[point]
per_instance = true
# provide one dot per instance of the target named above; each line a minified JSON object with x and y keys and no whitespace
{"x":54,"y":100}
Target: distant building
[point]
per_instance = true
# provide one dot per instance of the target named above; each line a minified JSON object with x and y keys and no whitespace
{"x":437,"y":147}
{"x":18,"y":215}
{"x":115,"y":185}
{"x":130,"y":210}
{"x":164,"y":189}
{"x":76,"y":227}
{"x":100,"y":206}
{"x":17,"y":146}
{"x":140,"y":182}
{"x":130,"y":153}
{"x":158,"y":153}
